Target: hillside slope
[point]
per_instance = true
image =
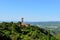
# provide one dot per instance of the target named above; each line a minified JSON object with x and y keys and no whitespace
{"x":15,"y":32}
{"x":57,"y":36}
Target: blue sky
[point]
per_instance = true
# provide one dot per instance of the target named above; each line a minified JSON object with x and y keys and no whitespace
{"x":31,"y":10}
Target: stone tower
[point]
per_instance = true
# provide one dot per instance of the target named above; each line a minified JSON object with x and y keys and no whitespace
{"x":22,"y":20}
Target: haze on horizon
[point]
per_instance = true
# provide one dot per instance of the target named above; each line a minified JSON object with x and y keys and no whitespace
{"x":31,"y":10}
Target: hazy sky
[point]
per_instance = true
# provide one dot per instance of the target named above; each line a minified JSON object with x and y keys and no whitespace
{"x":31,"y":10}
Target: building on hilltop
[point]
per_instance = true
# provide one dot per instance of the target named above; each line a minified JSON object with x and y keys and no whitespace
{"x":22,"y":23}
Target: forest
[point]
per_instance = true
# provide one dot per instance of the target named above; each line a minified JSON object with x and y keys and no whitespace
{"x":12,"y":31}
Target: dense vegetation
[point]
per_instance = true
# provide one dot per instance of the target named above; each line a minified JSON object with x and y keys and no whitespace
{"x":11,"y":31}
{"x":57,"y":36}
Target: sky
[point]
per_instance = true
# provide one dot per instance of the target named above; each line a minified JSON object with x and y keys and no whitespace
{"x":30,"y":10}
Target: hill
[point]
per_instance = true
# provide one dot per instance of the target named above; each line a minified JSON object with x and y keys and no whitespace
{"x":11,"y":31}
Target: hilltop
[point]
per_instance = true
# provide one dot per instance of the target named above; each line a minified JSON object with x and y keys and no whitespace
{"x":12,"y":31}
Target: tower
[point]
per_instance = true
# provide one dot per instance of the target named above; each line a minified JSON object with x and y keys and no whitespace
{"x":22,"y":20}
